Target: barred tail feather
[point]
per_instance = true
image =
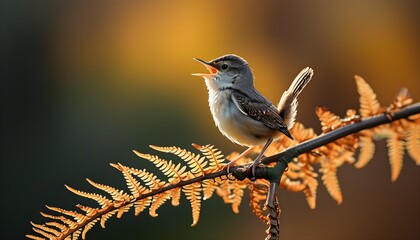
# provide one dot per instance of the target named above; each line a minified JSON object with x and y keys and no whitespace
{"x":288,"y":102}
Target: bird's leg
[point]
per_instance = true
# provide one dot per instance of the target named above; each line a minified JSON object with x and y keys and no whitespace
{"x":232,"y":162}
{"x":258,"y":159}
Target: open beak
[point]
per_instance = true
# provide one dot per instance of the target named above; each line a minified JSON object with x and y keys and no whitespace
{"x":212,"y":70}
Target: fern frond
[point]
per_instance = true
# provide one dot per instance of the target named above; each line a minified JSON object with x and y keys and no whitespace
{"x":123,"y":209}
{"x":116,"y":194}
{"x":150,"y":179}
{"x":175,"y":173}
{"x":70,"y":224}
{"x":258,"y":195}
{"x":107,"y":216}
{"x":330,"y":180}
{"x":75,"y":235}
{"x":43,"y":231}
{"x":237,"y":194}
{"x":89,"y":211}
{"x":413,"y":142}
{"x":88,"y":227}
{"x":301,"y":134}
{"x":224,"y":191}
{"x":75,"y":215}
{"x":311,"y":187}
{"x":369,"y":104}
{"x":214,"y":156}
{"x":176,"y":196}
{"x":292,"y":185}
{"x":193,"y":194}
{"x":395,"y":154}
{"x":102,"y":201}
{"x":367,"y":149}
{"x":194,"y":161}
{"x":34,"y":237}
{"x":133,"y":185}
{"x":158,"y":200}
{"x":56,"y":225}
{"x":141,"y":205}
{"x":209,"y":186}
{"x":329,"y":121}
{"x":47,"y":231}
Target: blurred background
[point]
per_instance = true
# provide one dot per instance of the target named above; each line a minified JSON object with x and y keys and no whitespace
{"x":85,"y":82}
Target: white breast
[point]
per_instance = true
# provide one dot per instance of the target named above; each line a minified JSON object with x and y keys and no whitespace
{"x":236,"y":126}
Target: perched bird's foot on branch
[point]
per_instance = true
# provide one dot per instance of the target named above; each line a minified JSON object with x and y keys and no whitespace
{"x":236,"y":159}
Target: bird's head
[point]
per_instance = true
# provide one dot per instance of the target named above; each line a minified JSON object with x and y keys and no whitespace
{"x":227,"y":71}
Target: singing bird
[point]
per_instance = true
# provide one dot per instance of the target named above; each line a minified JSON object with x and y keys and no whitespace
{"x":243,"y":114}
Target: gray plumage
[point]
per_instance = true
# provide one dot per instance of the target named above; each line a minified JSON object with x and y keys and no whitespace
{"x":240,"y":112}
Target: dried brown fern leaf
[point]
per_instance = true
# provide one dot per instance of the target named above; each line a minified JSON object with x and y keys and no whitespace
{"x":409,"y":129}
{"x":330,"y":180}
{"x":175,"y":196}
{"x":293,"y":178}
{"x":141,"y":204}
{"x":311,"y":186}
{"x":301,"y":134}
{"x":292,"y":185}
{"x":230,"y":191}
{"x":367,"y":149}
{"x":413,"y":141}
{"x":150,"y":179}
{"x":208,"y":186}
{"x":67,"y":223}
{"x":157,"y":201}
{"x":175,"y":172}
{"x":78,"y":217}
{"x":118,"y":196}
{"x":88,"y":226}
{"x":101,"y":200}
{"x":194,"y":161}
{"x":258,"y":195}
{"x":45,"y":230}
{"x":106,"y":216}
{"x":329,"y":121}
{"x":301,"y":177}
{"x":401,"y":100}
{"x":237,"y":195}
{"x":89,"y":211}
{"x":69,"y":229}
{"x":335,"y":154}
{"x":193,"y":194}
{"x":369,"y":104}
{"x":133,"y":185}
{"x":214,"y":156}
{"x":224,"y":189}
{"x":30,"y":236}
{"x":395,"y":154}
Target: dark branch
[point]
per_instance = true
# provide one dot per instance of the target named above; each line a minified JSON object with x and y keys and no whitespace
{"x":324,"y":139}
{"x":273,"y":212}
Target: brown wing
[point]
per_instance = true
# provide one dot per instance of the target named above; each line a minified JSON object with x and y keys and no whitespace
{"x":261,"y":110}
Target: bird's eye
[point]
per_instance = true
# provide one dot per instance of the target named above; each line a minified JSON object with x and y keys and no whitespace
{"x":224,"y":66}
